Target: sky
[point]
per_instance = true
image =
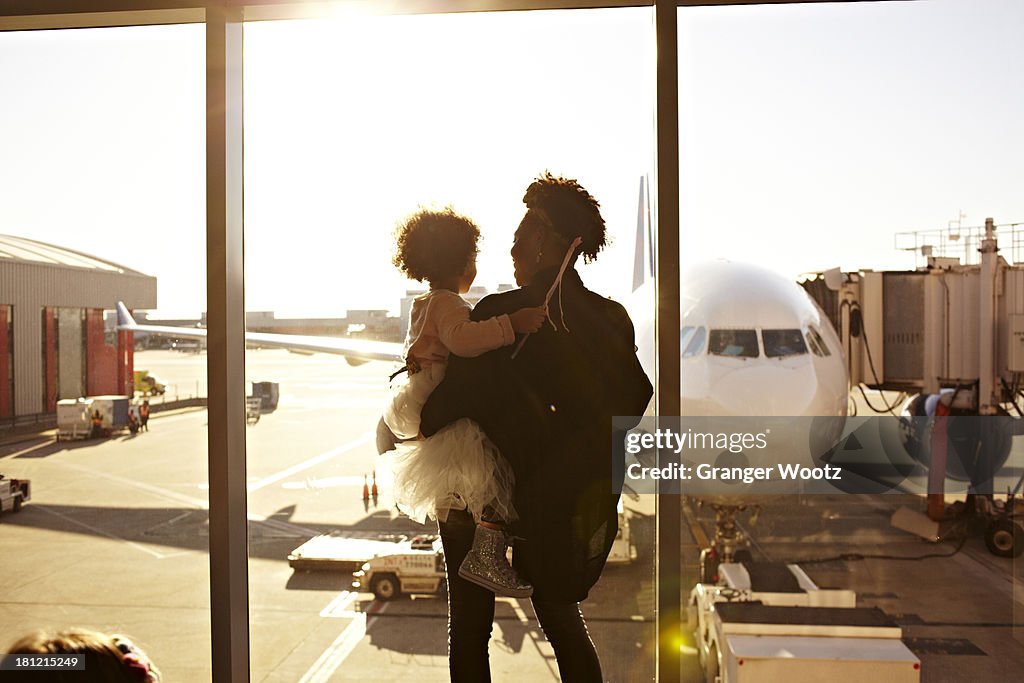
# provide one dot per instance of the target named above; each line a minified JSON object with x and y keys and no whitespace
{"x":809,"y":136}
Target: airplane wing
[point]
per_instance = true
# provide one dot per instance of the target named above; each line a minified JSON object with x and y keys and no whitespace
{"x":354,"y":350}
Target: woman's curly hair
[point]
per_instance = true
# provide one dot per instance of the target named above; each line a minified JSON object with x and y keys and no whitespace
{"x":572,"y":210}
{"x":433,"y":245}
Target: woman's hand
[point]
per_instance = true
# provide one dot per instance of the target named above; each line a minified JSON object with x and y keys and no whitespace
{"x":527,"y":319}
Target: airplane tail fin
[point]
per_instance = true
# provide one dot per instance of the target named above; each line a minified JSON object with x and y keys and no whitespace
{"x":125,"y":321}
{"x":643,"y":254}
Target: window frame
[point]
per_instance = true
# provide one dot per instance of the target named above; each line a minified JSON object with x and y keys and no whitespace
{"x":796,"y":334}
{"x":753,"y":334}
{"x":224,"y":21}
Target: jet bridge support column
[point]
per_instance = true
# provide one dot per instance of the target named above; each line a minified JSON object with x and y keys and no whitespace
{"x":987,"y":399}
{"x":936,"y":342}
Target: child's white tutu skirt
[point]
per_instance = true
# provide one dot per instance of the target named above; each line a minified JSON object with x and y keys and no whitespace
{"x":402,"y":413}
{"x":458,"y":467}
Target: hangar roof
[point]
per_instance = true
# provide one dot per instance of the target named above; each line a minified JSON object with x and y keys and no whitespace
{"x":26,"y":250}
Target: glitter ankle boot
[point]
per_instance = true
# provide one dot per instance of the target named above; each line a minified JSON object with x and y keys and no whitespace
{"x":486,"y":565}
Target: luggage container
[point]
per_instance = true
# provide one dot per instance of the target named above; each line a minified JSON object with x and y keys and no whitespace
{"x":73,"y":418}
{"x":113,"y":410}
{"x":268,"y":393}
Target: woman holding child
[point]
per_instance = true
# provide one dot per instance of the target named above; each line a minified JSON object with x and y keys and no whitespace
{"x":546,"y":404}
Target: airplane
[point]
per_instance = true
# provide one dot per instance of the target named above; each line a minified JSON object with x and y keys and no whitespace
{"x":752,"y":342}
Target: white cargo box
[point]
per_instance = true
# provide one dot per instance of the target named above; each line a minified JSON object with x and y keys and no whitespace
{"x":73,"y":420}
{"x":765,"y":643}
{"x":752,"y":658}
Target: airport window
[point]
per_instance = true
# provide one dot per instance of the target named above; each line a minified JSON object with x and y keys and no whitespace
{"x":691,"y":340}
{"x":102,"y":197}
{"x":415,"y":124}
{"x":781,"y":343}
{"x":781,"y":112}
{"x":740,"y":69}
{"x":733,"y":343}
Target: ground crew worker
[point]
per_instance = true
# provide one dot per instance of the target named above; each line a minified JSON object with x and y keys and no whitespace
{"x":97,"y":425}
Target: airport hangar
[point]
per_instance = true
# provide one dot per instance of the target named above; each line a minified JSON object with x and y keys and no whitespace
{"x":52,"y":337}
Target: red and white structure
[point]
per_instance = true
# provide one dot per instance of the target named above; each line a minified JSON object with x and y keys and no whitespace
{"x":53,"y":344}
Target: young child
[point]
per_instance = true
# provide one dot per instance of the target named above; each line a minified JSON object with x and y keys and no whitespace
{"x":458,"y":467}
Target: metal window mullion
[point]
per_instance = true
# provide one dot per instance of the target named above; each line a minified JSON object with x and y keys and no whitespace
{"x":669,"y":510}
{"x":229,"y":581}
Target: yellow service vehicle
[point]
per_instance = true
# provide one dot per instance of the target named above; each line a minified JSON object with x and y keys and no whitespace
{"x":147,"y":384}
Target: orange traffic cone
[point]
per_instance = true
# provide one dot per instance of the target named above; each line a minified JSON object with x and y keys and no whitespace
{"x":366,"y":489}
{"x":373,"y":489}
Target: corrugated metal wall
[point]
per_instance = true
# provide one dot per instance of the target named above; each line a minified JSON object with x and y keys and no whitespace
{"x":903,"y":327}
{"x":1012,"y":304}
{"x":28,"y":287}
{"x":70,"y":359}
{"x":6,"y":372}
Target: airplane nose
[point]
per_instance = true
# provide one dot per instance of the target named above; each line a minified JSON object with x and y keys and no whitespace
{"x":762,"y":390}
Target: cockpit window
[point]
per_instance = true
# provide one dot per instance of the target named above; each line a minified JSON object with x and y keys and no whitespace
{"x":780,"y":343}
{"x":817,"y":344}
{"x":735,"y":343}
{"x":691,"y":341}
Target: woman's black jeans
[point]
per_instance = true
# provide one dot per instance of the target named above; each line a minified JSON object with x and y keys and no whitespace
{"x":471,"y":614}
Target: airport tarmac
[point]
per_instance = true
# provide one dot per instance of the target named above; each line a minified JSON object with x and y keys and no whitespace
{"x":115,"y":538}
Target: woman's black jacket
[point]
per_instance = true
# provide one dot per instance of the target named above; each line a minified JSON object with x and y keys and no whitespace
{"x":549,"y":410}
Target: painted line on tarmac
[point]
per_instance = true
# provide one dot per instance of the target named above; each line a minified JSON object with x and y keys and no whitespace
{"x":339,"y":606}
{"x":47,"y":442}
{"x":166,"y":494}
{"x":312,"y":462}
{"x":197,"y":503}
{"x":101,"y":532}
{"x":161,"y":492}
{"x":338,"y":651}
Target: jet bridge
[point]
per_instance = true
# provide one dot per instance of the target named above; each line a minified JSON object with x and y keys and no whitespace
{"x":955,"y":322}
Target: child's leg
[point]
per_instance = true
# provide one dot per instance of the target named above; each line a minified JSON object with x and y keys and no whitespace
{"x":489,"y":516}
{"x":487,"y":565}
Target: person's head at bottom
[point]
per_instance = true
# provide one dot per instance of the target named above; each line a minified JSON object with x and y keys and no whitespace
{"x":108,"y":658}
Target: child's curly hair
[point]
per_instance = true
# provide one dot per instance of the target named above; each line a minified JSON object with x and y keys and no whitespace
{"x":572,"y":210}
{"x":433,"y":245}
